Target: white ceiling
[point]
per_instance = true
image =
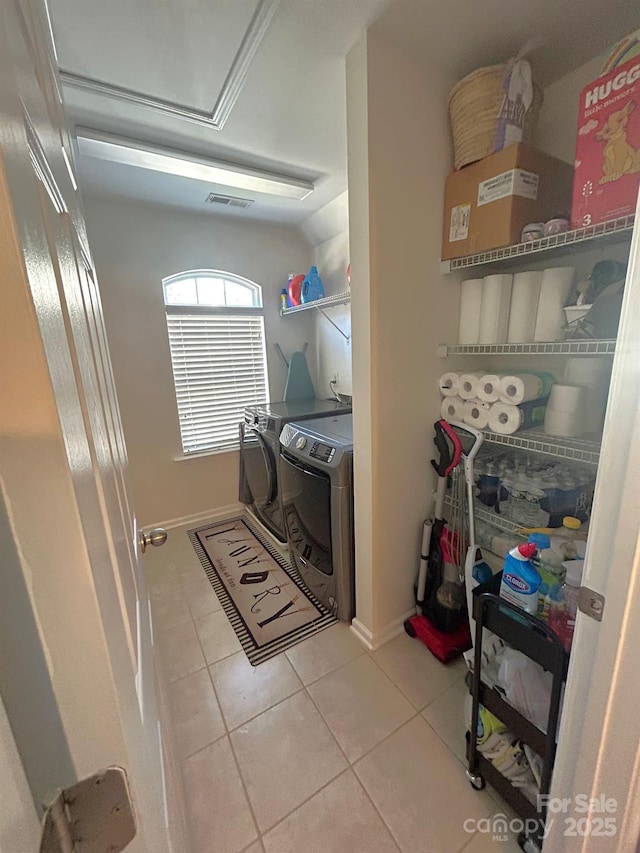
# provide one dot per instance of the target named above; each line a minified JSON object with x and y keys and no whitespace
{"x":289,"y":116}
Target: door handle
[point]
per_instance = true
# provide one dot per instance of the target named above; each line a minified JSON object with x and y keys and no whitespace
{"x":156,"y":537}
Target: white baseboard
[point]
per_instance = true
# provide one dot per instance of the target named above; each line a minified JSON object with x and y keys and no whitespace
{"x":373,"y":641}
{"x":208,"y":515}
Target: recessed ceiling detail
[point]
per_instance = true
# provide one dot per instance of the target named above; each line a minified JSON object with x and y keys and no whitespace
{"x":227,"y":97}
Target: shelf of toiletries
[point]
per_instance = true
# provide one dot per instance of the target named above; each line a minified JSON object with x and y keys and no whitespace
{"x":586,"y":346}
{"x":615,"y":230}
{"x":325,"y":302}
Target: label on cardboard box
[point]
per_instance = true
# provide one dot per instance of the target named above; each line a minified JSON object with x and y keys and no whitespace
{"x":459,"y":222}
{"x":514,"y":182}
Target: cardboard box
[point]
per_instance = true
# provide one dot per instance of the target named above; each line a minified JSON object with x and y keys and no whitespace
{"x":488,"y":203}
{"x":607,"y":165}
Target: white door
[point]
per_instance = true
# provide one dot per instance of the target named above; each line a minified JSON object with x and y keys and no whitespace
{"x":599,"y":746}
{"x":77,"y":672}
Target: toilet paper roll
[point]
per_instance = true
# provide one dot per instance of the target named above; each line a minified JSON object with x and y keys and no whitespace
{"x":452,"y":409}
{"x":470,"y":306}
{"x":563,"y":424}
{"x":555,"y":289}
{"x":567,"y":398}
{"x":489,"y":388}
{"x":594,"y":375}
{"x":468,"y":385}
{"x":476,"y":413}
{"x":506,"y":419}
{"x":525,"y":294}
{"x":522,"y":387}
{"x":448,"y":384}
{"x":494,"y":312}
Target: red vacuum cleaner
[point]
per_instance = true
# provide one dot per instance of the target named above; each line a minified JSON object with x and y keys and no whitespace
{"x":441,"y":621}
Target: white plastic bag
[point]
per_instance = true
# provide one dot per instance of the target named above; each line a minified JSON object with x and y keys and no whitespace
{"x":526,"y":686}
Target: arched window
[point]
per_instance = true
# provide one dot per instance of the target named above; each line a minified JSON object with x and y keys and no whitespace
{"x":216,"y":335}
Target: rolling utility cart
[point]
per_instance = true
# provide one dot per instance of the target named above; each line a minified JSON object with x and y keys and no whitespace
{"x":536,"y":640}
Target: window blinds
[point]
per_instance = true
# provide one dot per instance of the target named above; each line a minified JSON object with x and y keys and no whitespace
{"x":219,"y":367}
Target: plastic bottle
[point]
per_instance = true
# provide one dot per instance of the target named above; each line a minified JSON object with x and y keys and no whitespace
{"x":312,"y":288}
{"x":569,"y":541}
{"x":520,"y":578}
{"x":562,"y":615}
{"x":549,"y":569}
{"x":283,"y":299}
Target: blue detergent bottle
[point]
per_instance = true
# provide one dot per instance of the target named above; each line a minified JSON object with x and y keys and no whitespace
{"x":520,"y":578}
{"x":312,"y":288}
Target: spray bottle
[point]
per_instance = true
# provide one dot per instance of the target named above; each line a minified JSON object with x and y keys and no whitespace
{"x":520,"y":578}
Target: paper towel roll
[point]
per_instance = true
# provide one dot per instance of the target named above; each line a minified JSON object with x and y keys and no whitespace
{"x":476,"y":413}
{"x":522,"y":387}
{"x":489,"y":388}
{"x":470,"y":306}
{"x":594,"y":375}
{"x":566,"y":398}
{"x":494,"y":312}
{"x":525,"y":294}
{"x":563,"y":424}
{"x":555,"y":290}
{"x":505,"y":419}
{"x":448,"y":384}
{"x":452,"y":409}
{"x":468,"y":385}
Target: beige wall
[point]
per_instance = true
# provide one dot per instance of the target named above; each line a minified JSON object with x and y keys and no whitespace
{"x":558,"y":122}
{"x":135,"y":245}
{"x":399,"y":154}
{"x":327,"y":231}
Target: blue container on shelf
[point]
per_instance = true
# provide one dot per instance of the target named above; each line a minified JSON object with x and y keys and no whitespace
{"x":312,"y":288}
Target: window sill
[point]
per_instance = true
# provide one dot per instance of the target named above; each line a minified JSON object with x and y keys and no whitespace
{"x":185,"y":457}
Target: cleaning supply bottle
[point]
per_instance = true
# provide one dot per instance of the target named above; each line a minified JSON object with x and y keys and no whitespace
{"x":549,"y":567}
{"x":570,"y":539}
{"x":312,"y":288}
{"x":520,"y":578}
{"x":283,"y":299}
{"x":562,"y":615}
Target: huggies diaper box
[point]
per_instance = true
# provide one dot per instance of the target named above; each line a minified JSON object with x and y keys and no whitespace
{"x":607,"y":164}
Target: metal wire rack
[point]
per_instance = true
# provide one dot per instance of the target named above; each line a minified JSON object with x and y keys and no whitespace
{"x":611,"y":231}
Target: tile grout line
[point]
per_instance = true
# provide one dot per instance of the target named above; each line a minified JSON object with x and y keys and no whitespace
{"x":255,"y":716}
{"x":378,"y":812}
{"x":238,"y":768}
{"x":351,"y":766}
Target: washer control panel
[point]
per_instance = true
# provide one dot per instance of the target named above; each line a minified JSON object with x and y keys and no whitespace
{"x":323,"y":452}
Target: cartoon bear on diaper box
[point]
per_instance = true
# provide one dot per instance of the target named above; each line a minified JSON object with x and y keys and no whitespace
{"x":607,"y":164}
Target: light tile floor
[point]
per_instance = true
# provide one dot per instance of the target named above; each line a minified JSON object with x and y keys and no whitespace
{"x":325,"y":748}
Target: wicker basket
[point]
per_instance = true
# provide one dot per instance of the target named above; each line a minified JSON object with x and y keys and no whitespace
{"x":474,"y":105}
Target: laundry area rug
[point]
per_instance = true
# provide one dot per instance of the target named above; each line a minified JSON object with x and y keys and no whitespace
{"x":262,"y":594}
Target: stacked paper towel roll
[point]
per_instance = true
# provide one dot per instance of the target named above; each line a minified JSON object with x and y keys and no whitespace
{"x":524,"y":306}
{"x":489,"y":388}
{"x":507,"y":419}
{"x":515,"y":309}
{"x":503,"y":403}
{"x":494,"y":311}
{"x":468,"y":384}
{"x":594,"y":375}
{"x":565,"y":411}
{"x":523,"y":387}
{"x":470,"y":305}
{"x":448,"y":384}
{"x":476,"y":413}
{"x":452,"y":409}
{"x":555,"y":290}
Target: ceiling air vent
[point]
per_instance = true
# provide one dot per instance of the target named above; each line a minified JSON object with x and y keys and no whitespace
{"x":228,"y":200}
